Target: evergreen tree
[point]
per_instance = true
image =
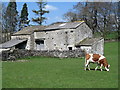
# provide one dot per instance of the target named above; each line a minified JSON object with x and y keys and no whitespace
{"x":40,"y":19}
{"x":24,"y":17}
{"x":11,"y":16}
{"x":5,"y":32}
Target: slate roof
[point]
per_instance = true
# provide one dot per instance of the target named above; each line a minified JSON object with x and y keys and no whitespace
{"x":29,"y":30}
{"x":88,"y":41}
{"x":70,"y":25}
{"x":11,"y":43}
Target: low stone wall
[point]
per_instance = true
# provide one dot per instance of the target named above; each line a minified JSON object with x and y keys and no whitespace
{"x":12,"y":55}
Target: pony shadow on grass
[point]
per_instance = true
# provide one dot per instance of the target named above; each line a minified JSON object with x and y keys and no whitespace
{"x":93,"y":69}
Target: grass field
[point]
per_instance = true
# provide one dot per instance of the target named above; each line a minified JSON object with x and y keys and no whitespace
{"x":0,"y":75}
{"x":108,"y":35}
{"x":112,"y":35}
{"x":43,"y":72}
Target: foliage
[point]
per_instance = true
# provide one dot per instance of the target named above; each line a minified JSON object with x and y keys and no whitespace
{"x":24,"y":17}
{"x":40,"y":19}
{"x":5,"y":36}
{"x":99,"y":16}
{"x":11,"y":15}
{"x":9,"y":20}
{"x":43,"y":72}
{"x":70,"y":16}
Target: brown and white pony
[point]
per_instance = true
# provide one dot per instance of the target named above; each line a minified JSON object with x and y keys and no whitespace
{"x":96,"y":58}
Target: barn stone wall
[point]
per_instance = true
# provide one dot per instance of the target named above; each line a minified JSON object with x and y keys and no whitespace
{"x":53,"y":53}
{"x":32,"y":42}
{"x":63,"y":38}
{"x":98,"y":47}
{"x":82,"y":32}
{"x":28,"y":37}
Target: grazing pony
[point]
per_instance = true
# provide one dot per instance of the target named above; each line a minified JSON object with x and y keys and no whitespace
{"x":96,"y":58}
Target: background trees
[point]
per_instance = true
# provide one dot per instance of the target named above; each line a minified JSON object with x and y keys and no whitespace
{"x":70,"y":16}
{"x":101,"y":17}
{"x":10,"y":21}
{"x":5,"y":25}
{"x":24,"y":17}
{"x":0,"y":22}
{"x":40,"y":13}
{"x":11,"y":15}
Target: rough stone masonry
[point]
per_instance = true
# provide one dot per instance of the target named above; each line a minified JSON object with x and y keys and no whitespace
{"x":19,"y":53}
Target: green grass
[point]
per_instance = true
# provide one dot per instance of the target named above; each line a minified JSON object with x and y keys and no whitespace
{"x":43,"y":72}
{"x":112,"y":35}
{"x":0,"y":75}
{"x":108,"y":35}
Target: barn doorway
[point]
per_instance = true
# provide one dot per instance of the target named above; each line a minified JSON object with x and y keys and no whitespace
{"x":39,"y":44}
{"x":21,"y":45}
{"x":70,"y":48}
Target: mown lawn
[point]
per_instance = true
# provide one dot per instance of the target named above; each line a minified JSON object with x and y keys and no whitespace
{"x":43,"y":72}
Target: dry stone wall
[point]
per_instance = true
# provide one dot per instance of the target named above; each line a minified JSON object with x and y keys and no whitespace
{"x":13,"y":55}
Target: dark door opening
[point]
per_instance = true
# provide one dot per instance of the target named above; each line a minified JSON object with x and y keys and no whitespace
{"x":39,"y":44}
{"x":21,"y":45}
{"x":70,"y":48}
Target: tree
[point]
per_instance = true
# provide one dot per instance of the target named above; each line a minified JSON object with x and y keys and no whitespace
{"x":99,"y":16}
{"x":40,"y":19}
{"x":70,"y":16}
{"x":88,"y":11}
{"x":0,"y":22}
{"x":24,"y":17}
{"x":82,"y":11}
{"x":5,"y":33}
{"x":11,"y":15}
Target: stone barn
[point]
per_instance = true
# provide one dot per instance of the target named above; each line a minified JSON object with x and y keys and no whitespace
{"x":62,"y":36}
{"x":65,"y":36}
{"x":23,"y":39}
{"x":92,"y":45}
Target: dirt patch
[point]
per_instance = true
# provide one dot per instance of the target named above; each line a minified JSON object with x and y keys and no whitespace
{"x":18,"y":61}
{"x":22,"y":60}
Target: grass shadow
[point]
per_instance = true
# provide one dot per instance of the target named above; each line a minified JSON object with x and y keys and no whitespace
{"x":92,"y":69}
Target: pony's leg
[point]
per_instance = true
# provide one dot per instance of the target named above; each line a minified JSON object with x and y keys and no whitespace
{"x":96,"y":68}
{"x":101,"y":67}
{"x":86,"y":64}
{"x":88,"y":67}
{"x":106,"y":69}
